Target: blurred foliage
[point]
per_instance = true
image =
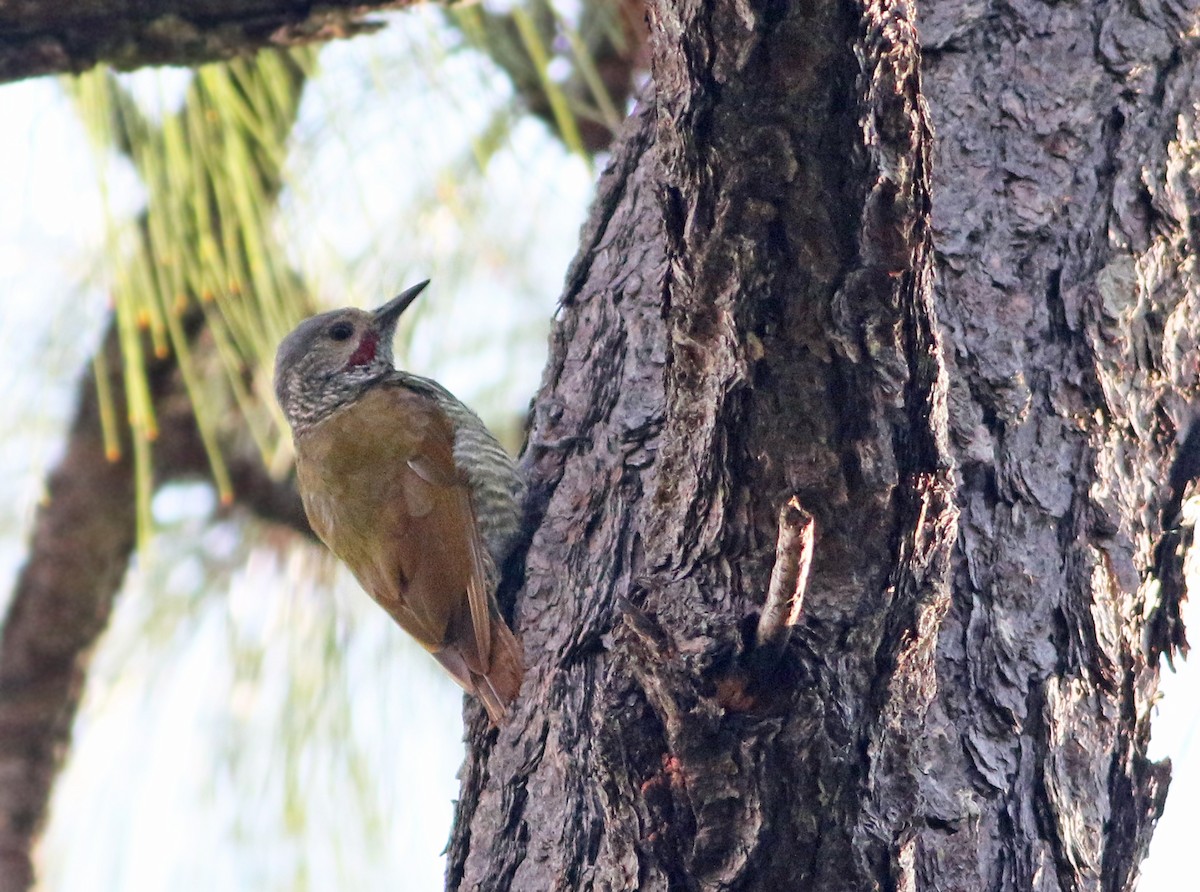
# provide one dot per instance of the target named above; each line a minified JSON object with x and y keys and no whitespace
{"x":205,"y":244}
{"x":575,"y":73}
{"x":210,"y":242}
{"x":283,"y":736}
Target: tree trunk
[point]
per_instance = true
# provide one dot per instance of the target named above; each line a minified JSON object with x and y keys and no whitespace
{"x":965,"y":702}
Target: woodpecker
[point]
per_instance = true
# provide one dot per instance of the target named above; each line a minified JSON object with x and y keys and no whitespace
{"x":408,"y":488}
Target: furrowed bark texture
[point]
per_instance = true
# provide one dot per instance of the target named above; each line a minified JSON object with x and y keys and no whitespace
{"x":1064,"y":207}
{"x":51,"y":37}
{"x":748,"y":320}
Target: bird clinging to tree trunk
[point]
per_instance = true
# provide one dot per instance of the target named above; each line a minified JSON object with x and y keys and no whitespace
{"x":405,"y":484}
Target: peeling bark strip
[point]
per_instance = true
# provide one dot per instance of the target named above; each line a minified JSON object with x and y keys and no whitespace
{"x":789,"y":577}
{"x":40,"y":37}
{"x":748,"y":318}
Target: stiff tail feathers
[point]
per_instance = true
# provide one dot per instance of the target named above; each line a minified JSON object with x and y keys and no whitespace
{"x":499,"y":685}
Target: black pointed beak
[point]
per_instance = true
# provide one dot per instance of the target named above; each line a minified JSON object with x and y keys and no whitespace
{"x":387,"y":315}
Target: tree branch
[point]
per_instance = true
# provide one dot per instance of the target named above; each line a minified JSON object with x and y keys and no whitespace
{"x":40,"y":37}
{"x":84,"y":533}
{"x":179,"y":454}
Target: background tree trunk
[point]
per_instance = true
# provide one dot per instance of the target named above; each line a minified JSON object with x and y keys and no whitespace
{"x":966,"y":705}
{"x":83,"y":538}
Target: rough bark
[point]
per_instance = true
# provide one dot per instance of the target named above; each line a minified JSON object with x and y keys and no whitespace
{"x":748,"y":320}
{"x":1064,"y":218}
{"x":966,"y":705}
{"x":83,"y":537}
{"x":51,"y":37}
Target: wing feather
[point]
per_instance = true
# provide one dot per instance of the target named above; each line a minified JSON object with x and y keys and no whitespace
{"x":479,"y":595}
{"x":390,"y":501}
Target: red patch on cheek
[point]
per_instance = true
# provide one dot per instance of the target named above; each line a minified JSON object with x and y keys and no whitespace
{"x":365,"y":351}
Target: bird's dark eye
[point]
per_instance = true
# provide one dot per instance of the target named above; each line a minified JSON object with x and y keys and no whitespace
{"x":340,"y":331}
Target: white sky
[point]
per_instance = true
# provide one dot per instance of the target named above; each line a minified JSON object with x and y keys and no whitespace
{"x":177,"y":779}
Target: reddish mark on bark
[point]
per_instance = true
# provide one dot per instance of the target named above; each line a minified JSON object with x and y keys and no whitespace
{"x":670,"y":777}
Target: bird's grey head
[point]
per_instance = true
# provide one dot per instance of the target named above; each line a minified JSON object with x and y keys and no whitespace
{"x":327,"y":361}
